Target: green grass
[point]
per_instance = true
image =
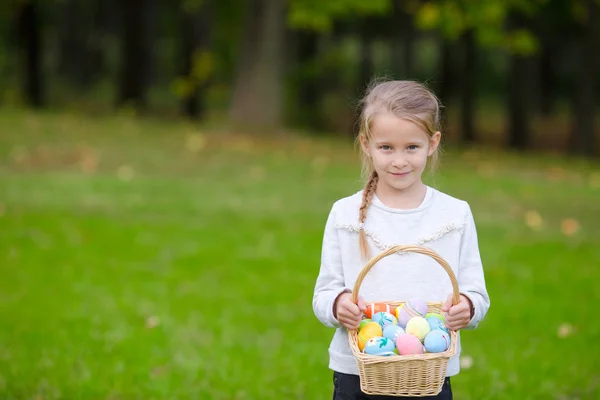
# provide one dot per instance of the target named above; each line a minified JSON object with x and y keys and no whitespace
{"x":135,"y":268}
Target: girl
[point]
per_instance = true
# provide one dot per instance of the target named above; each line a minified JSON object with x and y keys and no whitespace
{"x":399,"y":132}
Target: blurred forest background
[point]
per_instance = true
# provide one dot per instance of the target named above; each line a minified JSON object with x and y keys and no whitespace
{"x":517,"y":73}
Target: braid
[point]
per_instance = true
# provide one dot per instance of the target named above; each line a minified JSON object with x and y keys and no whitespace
{"x":368,"y":193}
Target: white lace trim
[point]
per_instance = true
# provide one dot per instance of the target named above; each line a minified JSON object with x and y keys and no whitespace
{"x":450,"y":227}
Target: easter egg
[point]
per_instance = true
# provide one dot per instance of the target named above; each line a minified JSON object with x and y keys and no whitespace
{"x":414,"y":307}
{"x":379,"y":346}
{"x":392,"y":332}
{"x":437,"y":341}
{"x":397,"y":311}
{"x":374,"y":308}
{"x":370,"y":330}
{"x":435,"y":315}
{"x":408,"y":344}
{"x":384,"y":319}
{"x":419,"y":327}
{"x":363,"y":323}
{"x":436,"y":323}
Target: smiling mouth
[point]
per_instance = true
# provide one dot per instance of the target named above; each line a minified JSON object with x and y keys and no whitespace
{"x":400,"y":173}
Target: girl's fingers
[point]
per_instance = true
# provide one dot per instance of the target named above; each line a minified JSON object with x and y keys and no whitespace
{"x":348,"y":320}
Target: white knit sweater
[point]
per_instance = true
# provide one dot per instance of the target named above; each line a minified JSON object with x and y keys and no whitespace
{"x":441,"y":222}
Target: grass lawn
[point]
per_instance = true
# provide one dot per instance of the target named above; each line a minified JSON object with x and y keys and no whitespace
{"x":145,"y":259}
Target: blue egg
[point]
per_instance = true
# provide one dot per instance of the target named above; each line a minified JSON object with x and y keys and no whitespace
{"x":379,"y":346}
{"x":392,"y":332}
{"x":384,"y":319}
{"x":435,"y":323}
{"x":437,"y":341}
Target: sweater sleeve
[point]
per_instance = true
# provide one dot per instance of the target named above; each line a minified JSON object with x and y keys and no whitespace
{"x":471,"y":281}
{"x":330,"y":281}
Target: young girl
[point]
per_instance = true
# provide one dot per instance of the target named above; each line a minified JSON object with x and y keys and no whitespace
{"x":399,"y":133}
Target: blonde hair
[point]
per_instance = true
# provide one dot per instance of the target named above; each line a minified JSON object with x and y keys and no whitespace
{"x":408,"y":100}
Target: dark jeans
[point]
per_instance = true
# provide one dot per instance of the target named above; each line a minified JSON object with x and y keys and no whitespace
{"x":347,"y":387}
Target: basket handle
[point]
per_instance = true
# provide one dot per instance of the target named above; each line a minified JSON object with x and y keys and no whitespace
{"x":411,"y":249}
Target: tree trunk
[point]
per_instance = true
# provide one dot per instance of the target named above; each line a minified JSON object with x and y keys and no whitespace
{"x":583,"y":135}
{"x":310,"y":88}
{"x":402,"y":42}
{"x":468,"y":87}
{"x":519,"y":94}
{"x":518,"y":104}
{"x":195,"y":41}
{"x":366,"y":67}
{"x":31,"y":44}
{"x":445,"y":87}
{"x":546,"y":70}
{"x":135,"y":57}
{"x":80,"y":53}
{"x":258,"y":93}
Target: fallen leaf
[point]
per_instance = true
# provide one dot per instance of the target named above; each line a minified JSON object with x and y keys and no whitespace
{"x":19,"y":154}
{"x":471,"y":155}
{"x":569,"y":226}
{"x":319,"y":163}
{"x":466,"y":362}
{"x":486,"y":170}
{"x":533,"y":219}
{"x":88,"y":161}
{"x":195,"y":142}
{"x":556,"y":173}
{"x":158,"y":371}
{"x":243,"y":145}
{"x":565,"y":330}
{"x":595,"y":180}
{"x":257,"y":173}
{"x":125,"y":173}
{"x":152,"y":322}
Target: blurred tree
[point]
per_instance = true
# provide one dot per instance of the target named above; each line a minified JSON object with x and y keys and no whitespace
{"x":402,"y":40}
{"x":324,"y":26}
{"x":481,"y":23}
{"x":30,"y":44}
{"x":365,"y":36}
{"x":258,"y":92}
{"x":307,"y":76}
{"x":468,"y":81}
{"x":520,"y":80}
{"x":555,"y":29}
{"x":583,"y":135}
{"x":447,"y":73}
{"x":137,"y":22}
{"x":196,"y":19}
{"x":80,"y":26}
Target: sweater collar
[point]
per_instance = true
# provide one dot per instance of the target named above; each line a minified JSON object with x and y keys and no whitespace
{"x":424,"y":204}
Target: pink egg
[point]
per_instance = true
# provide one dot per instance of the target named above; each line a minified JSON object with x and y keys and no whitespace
{"x":409,"y":344}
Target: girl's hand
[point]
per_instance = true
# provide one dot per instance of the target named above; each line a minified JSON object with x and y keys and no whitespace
{"x":458,"y":316}
{"x":347,"y":313}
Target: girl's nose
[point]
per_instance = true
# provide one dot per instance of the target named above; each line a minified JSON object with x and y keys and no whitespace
{"x":399,"y":162}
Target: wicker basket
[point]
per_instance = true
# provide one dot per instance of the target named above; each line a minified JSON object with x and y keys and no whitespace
{"x":411,"y":375}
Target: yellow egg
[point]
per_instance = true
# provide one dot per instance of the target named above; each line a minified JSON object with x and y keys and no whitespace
{"x":397,"y":313}
{"x":419,"y":327}
{"x":370,"y":330}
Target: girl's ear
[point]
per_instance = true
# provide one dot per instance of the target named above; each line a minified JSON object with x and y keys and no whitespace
{"x":364,"y":143}
{"x":434,"y":142}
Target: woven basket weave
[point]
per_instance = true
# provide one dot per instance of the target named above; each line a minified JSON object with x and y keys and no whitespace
{"x":411,"y":375}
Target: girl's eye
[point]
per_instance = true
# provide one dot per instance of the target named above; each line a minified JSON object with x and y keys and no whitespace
{"x":412,"y":147}
{"x":385,"y":147}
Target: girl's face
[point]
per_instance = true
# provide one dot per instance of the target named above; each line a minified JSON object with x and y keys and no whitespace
{"x":398,"y":149}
